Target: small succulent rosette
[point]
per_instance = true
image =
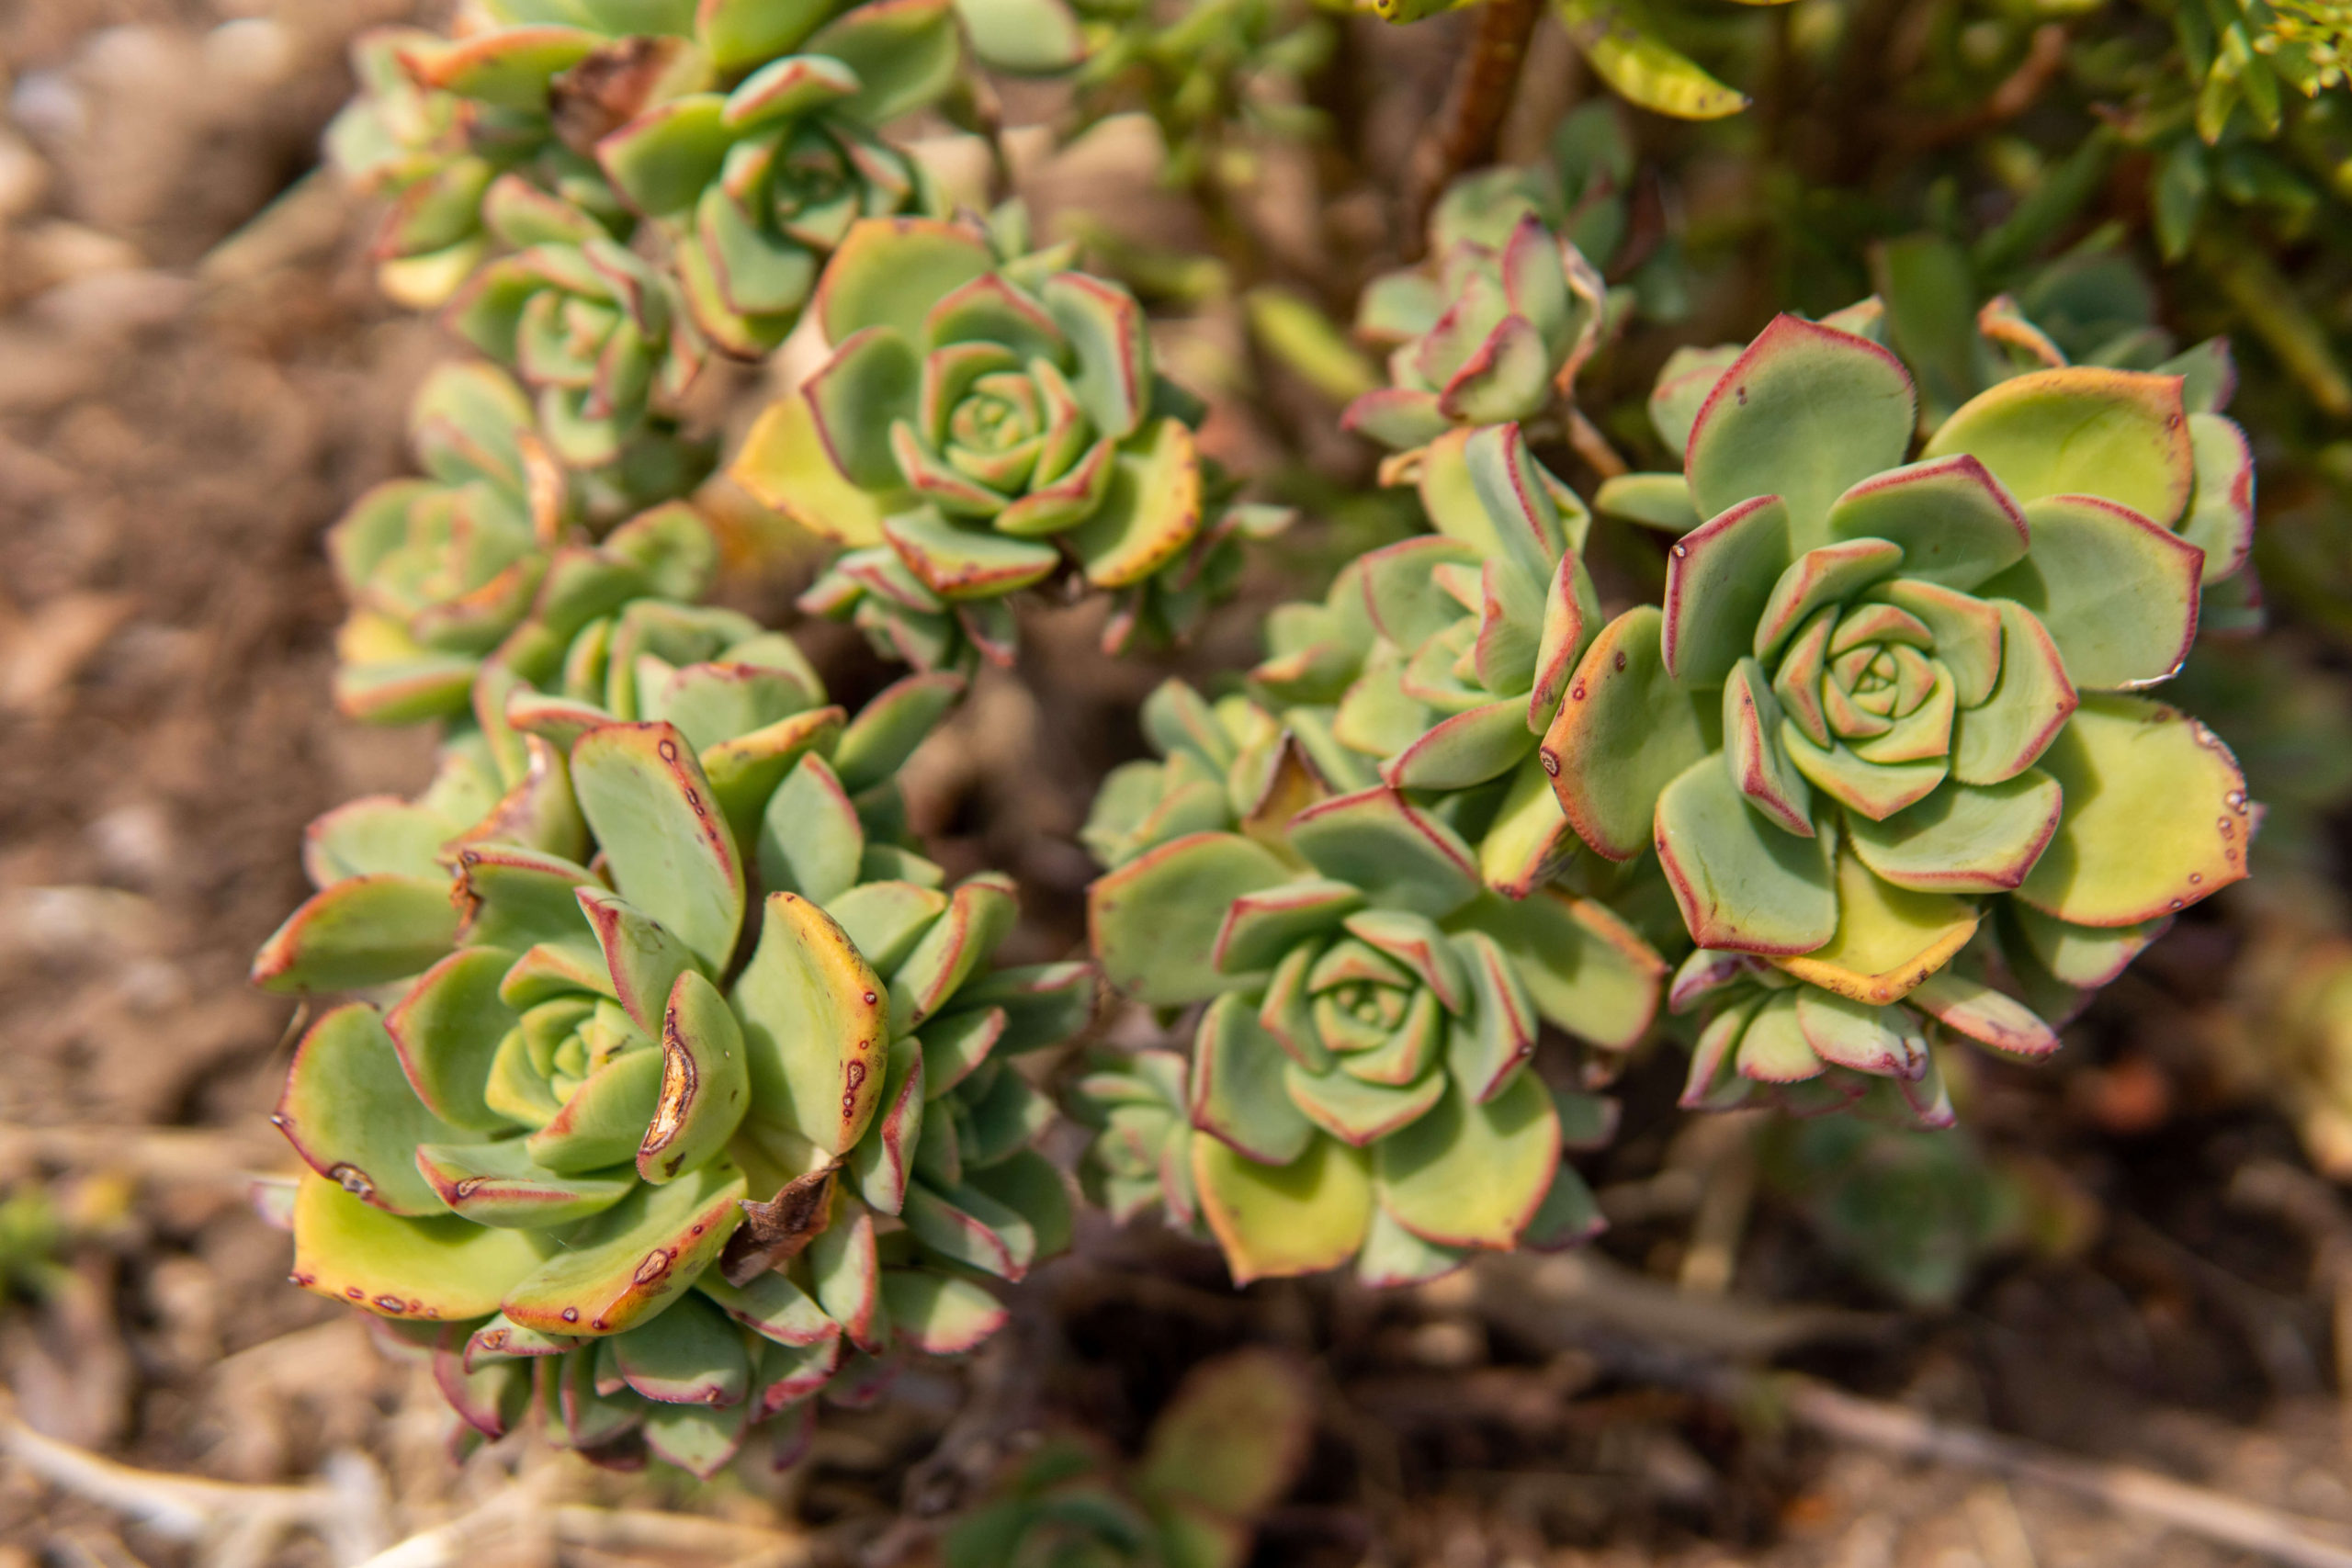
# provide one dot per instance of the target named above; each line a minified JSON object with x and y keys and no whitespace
{"x":986,"y":425}
{"x":440,"y":569}
{"x":1226,"y":1448}
{"x":594,"y":329}
{"x":1434,"y":665}
{"x":436,"y":154}
{"x":1139,"y":1157}
{"x":1360,"y":1080}
{"x":1492,"y":330}
{"x":1883,"y":732}
{"x":614,"y":1132}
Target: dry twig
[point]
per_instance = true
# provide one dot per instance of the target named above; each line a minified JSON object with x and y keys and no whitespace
{"x":240,"y":1524}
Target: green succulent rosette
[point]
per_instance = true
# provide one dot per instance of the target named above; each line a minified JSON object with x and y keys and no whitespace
{"x":436,"y":154}
{"x":1883,"y":732}
{"x":1139,"y":1157}
{"x":595,"y":330}
{"x":1492,"y":331}
{"x":1359,"y":1074}
{"x":677,"y":1067}
{"x":440,"y":569}
{"x":983,"y":427}
{"x":1434,"y":665}
{"x":755,"y":185}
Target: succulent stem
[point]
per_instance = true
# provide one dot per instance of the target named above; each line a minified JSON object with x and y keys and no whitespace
{"x":1463,"y":135}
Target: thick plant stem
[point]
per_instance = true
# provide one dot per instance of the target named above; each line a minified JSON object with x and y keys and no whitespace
{"x":1466,"y":132}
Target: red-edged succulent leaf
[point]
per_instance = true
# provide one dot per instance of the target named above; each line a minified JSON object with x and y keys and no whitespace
{"x":815,"y":1022}
{"x":358,"y":933}
{"x":1804,"y":414}
{"x":2085,"y":430}
{"x":664,"y":838}
{"x":1624,"y":730}
{"x":350,"y":1112}
{"x":706,"y":1082}
{"x":1153,"y":922}
{"x":2156,"y":817}
{"x":627,"y":1264}
{"x":500,"y":1184}
{"x":448,"y":1029}
{"x":440,"y":1268}
{"x":690,"y":1355}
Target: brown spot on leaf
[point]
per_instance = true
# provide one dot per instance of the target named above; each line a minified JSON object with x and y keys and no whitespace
{"x":773,"y":1233}
{"x":680,"y":1080}
{"x":609,"y":89}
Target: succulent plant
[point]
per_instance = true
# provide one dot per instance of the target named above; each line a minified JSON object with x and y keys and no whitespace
{"x":436,"y":156}
{"x":598,"y":332}
{"x":710,"y":1152}
{"x":1434,"y":665}
{"x":1225,"y":1449}
{"x":1361,"y":1070}
{"x":1882,"y":734}
{"x":728,"y":145}
{"x":1215,"y":76}
{"x":1492,"y":331}
{"x":439,"y":570}
{"x":983,"y":427}
{"x":1136,"y":1104}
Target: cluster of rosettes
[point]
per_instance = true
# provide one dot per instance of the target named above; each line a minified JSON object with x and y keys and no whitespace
{"x":1882,"y":732}
{"x":1880,"y":736}
{"x":439,"y":571}
{"x":681,"y":1089}
{"x":989,"y":422}
{"x":1360,"y":871}
{"x":603,"y":194}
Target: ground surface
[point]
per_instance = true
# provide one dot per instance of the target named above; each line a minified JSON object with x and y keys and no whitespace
{"x":179,"y":420}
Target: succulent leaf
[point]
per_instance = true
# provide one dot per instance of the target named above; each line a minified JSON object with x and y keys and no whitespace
{"x":2156,"y":816}
{"x":627,"y":1264}
{"x":816,"y":1020}
{"x":1624,"y":731}
{"x":2118,"y":594}
{"x":2084,"y":430}
{"x":1806,"y":412}
{"x":1273,"y":1221}
{"x":438,"y":1268}
{"x":350,"y":1112}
